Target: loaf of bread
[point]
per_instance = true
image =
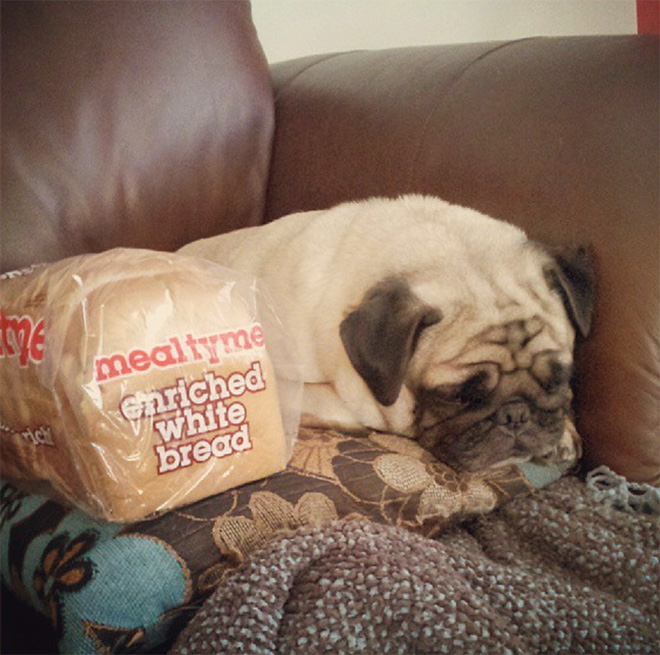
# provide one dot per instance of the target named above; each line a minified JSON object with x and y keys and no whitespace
{"x":134,"y":382}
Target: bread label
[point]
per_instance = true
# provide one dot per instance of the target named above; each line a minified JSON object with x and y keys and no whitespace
{"x":22,"y":337}
{"x":173,"y":458}
{"x":178,"y":350}
{"x":41,"y":436}
{"x":204,"y":406}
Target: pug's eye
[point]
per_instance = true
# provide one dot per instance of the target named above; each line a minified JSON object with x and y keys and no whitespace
{"x":550,"y":373}
{"x":474,"y":391}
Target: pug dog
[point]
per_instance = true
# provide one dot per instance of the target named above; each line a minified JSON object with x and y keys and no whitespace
{"x":425,"y":319}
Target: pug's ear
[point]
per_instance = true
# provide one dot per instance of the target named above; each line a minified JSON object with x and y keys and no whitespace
{"x":381,"y":334}
{"x":573,"y":276}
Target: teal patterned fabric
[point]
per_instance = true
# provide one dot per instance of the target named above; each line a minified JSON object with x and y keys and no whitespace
{"x":85,"y":577}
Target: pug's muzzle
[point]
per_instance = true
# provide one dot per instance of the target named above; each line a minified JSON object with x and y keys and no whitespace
{"x":497,"y":416}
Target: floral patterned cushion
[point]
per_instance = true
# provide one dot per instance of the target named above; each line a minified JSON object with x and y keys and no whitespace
{"x":110,"y":588}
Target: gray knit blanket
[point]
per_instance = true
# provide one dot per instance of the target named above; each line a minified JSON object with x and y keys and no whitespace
{"x":570,"y":569}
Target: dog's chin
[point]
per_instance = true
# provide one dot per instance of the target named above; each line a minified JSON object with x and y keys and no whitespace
{"x":500,"y":453}
{"x":484,"y":446}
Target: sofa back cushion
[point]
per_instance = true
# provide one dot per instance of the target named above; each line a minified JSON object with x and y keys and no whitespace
{"x":129,"y":124}
{"x":559,"y":136}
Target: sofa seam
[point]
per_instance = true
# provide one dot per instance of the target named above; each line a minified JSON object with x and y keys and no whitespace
{"x":456,"y":78}
{"x":311,"y":65}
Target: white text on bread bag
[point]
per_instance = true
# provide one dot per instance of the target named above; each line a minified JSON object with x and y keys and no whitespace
{"x":40,"y":436}
{"x":178,"y":350}
{"x":204,"y":406}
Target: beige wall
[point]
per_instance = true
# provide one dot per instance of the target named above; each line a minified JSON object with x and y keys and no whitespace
{"x":293,"y":28}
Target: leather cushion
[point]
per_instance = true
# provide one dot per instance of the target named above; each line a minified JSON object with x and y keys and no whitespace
{"x":141,"y":124}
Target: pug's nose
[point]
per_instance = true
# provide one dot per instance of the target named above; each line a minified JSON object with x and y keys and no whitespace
{"x":513,"y":415}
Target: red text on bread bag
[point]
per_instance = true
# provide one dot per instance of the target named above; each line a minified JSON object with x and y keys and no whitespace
{"x":178,"y":350}
{"x":22,"y":337}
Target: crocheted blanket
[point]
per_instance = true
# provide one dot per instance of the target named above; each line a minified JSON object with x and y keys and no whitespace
{"x":571,"y":569}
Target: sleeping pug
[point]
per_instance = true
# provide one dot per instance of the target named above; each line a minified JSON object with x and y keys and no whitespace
{"x":425,"y":319}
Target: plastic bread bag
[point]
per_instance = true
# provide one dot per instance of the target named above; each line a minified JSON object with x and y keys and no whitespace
{"x":136,"y":381}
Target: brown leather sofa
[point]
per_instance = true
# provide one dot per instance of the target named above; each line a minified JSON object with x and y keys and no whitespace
{"x":153,"y":124}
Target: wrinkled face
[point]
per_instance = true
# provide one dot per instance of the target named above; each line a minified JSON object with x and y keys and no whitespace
{"x":483,"y":352}
{"x":505,"y":396}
